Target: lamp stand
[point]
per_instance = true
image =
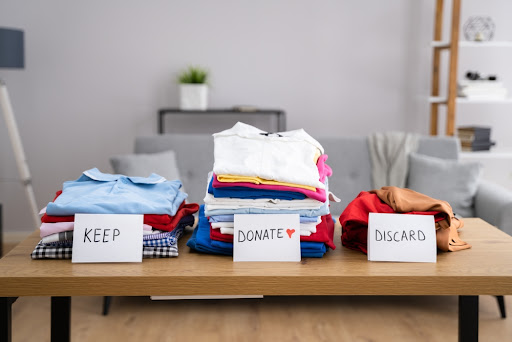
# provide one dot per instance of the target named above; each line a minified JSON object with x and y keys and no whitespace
{"x":21,"y":160}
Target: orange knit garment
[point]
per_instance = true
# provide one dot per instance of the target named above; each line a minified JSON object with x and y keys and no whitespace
{"x":407,"y":200}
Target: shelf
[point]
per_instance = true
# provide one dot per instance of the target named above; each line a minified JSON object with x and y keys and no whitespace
{"x":464,"y":43}
{"x":280,"y":114}
{"x":437,"y":99}
{"x":444,"y":100}
{"x":492,"y":154}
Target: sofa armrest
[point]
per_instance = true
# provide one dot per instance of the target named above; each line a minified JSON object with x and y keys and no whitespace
{"x":493,"y":203}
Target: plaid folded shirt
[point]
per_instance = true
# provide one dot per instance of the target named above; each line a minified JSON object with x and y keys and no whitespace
{"x":66,"y":243}
{"x":160,"y":248}
{"x":159,"y":252}
{"x":156,"y":236}
{"x":166,"y":241}
{"x":50,"y":252}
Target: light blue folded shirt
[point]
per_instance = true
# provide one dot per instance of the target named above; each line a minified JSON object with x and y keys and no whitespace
{"x":323,"y":210}
{"x":231,"y":218}
{"x":101,"y":193}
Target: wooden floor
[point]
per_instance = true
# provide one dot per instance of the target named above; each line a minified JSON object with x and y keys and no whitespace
{"x":268,"y":319}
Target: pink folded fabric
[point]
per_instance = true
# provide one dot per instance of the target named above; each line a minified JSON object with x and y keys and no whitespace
{"x":57,"y":227}
{"x":323,"y":169}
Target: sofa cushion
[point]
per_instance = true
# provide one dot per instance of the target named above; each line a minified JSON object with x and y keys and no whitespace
{"x":194,"y":153}
{"x":440,"y":147}
{"x":162,"y":163}
{"x":350,"y":162}
{"x":450,"y":180}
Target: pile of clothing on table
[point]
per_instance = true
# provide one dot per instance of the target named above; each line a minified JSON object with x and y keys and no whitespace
{"x":395,"y":200}
{"x":166,"y":213}
{"x":266,"y":173}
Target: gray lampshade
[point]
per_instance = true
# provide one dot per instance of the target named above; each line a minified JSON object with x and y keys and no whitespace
{"x":11,"y":48}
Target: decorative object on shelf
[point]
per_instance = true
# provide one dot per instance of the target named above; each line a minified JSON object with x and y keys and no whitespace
{"x":477,"y":87}
{"x":475,"y":138}
{"x":193,"y":88}
{"x":476,"y":76}
{"x":12,"y":56}
{"x":479,"y":29}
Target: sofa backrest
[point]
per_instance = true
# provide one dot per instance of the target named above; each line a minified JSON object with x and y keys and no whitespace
{"x":348,"y":157}
{"x":194,"y":155}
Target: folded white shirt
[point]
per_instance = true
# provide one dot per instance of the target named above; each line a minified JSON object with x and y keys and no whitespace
{"x":213,"y":203}
{"x":151,"y":232}
{"x":309,"y":227}
{"x":290,"y":157}
{"x":215,"y":225}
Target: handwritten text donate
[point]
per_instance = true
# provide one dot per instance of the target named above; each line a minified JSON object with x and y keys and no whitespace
{"x":266,"y":238}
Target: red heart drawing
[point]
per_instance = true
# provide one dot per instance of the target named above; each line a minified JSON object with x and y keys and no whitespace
{"x":290,"y":232}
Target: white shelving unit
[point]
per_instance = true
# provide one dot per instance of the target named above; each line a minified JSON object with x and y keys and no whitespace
{"x":451,"y":45}
{"x":464,"y":43}
{"x":442,"y":100}
{"x":438,"y":99}
{"x":492,"y":154}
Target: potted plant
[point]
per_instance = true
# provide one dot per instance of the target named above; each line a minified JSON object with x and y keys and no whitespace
{"x":193,"y":88}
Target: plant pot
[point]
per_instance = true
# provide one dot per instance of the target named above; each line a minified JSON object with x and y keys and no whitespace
{"x":193,"y":96}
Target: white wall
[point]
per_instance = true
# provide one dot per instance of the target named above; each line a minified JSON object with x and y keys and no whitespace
{"x":97,"y":72}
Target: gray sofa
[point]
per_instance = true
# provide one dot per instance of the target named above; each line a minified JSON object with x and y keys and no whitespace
{"x":348,"y":157}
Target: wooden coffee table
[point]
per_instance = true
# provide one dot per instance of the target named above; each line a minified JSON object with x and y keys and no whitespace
{"x":486,"y":269}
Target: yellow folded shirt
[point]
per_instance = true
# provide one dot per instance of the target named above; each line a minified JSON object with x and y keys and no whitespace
{"x":258,"y":180}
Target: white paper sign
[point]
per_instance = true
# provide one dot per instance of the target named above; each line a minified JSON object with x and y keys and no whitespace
{"x":266,"y":237}
{"x":399,"y":237}
{"x":107,"y":238}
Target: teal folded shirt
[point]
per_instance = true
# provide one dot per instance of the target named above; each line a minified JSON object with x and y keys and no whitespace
{"x":101,"y":193}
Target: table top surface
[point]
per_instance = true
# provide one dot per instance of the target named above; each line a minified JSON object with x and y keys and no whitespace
{"x":486,"y":268}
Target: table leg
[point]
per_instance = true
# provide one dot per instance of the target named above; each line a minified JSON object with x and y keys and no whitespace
{"x":106,"y":304}
{"x":61,"y":319}
{"x":468,"y":318}
{"x":6,"y":318}
{"x":1,"y":234}
{"x":160,"y":122}
{"x":501,"y":304}
{"x":281,"y":122}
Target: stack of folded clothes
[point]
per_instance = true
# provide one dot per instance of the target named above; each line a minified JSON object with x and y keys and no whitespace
{"x":163,"y":205}
{"x":266,"y":173}
{"x":395,"y":200}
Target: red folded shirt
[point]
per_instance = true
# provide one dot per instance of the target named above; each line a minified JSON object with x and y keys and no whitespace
{"x":354,"y":219}
{"x":162,"y":222}
{"x":324,"y":233}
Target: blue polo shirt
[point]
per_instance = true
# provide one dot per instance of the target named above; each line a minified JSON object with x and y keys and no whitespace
{"x":101,"y":193}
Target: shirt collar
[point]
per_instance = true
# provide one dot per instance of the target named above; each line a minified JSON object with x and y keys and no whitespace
{"x":97,"y":175}
{"x":247,"y":131}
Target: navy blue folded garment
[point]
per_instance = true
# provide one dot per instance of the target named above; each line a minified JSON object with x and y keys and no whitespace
{"x":250,"y":193}
{"x":202,"y":242}
{"x":187,"y":220}
{"x":311,"y":255}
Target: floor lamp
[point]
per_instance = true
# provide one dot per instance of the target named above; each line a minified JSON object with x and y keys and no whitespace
{"x":12,"y":56}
